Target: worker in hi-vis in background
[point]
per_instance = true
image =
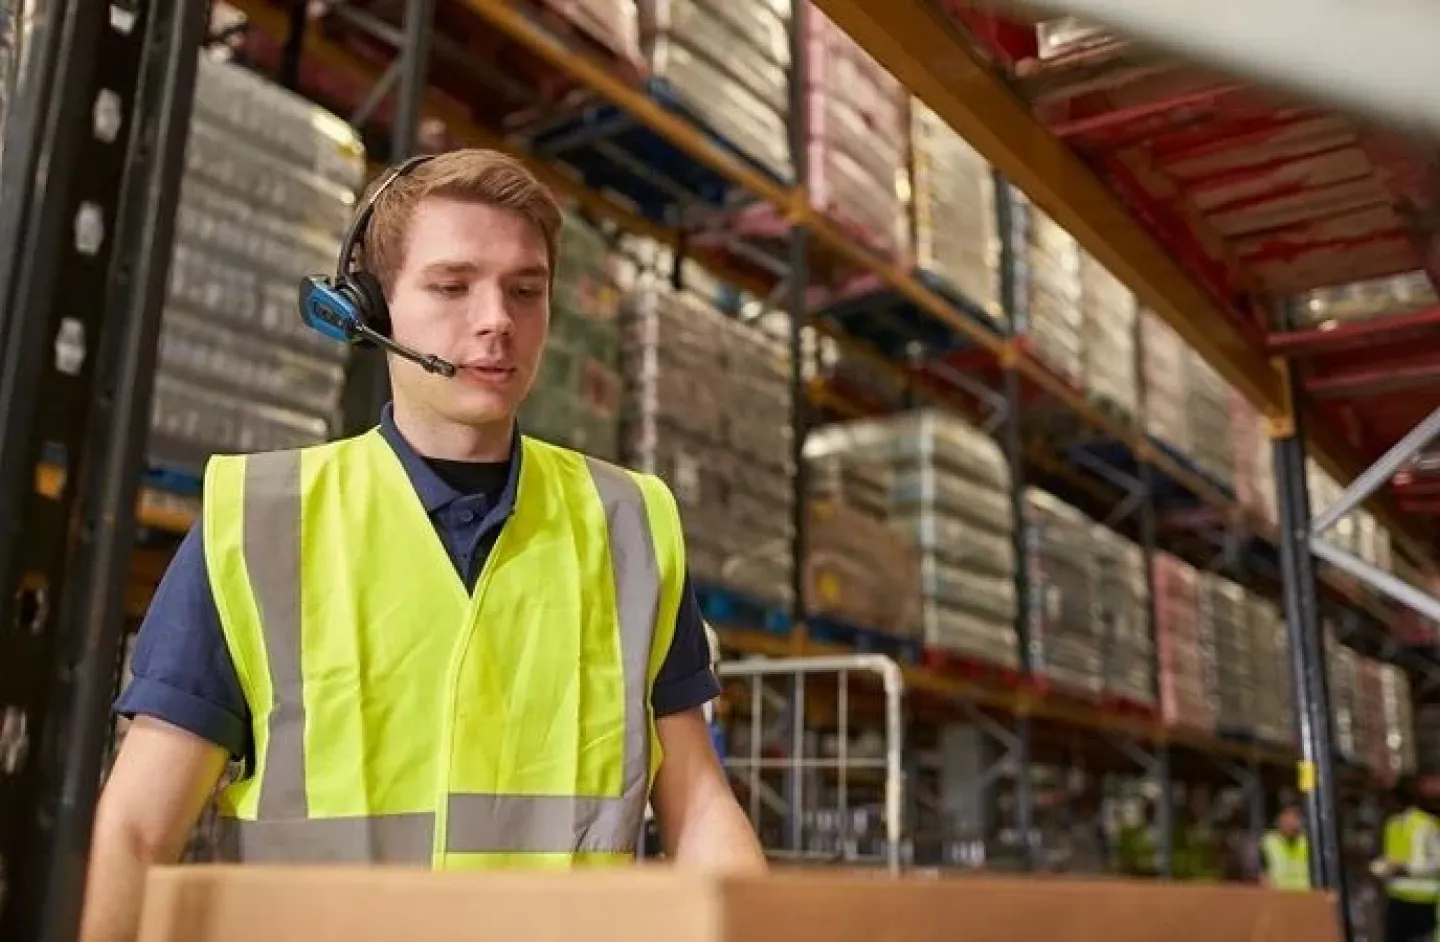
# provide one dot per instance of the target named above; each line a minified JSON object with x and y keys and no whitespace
{"x":441,"y":642}
{"x":1409,"y":865}
{"x":1285,"y":851}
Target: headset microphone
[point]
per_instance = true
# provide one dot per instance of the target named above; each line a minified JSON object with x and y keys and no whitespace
{"x":429,"y":362}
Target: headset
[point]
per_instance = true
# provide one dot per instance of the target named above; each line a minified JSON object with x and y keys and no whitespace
{"x":350,"y":306}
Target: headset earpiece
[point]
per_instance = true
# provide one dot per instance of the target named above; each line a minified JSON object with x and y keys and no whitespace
{"x":374,"y":310}
{"x":330,"y":309}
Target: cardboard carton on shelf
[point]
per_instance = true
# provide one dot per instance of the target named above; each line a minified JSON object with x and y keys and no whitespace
{"x":655,"y":904}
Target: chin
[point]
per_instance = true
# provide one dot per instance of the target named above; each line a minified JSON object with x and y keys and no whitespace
{"x":481,"y":408}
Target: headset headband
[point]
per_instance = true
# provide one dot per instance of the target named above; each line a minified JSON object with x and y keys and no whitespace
{"x":354,"y":235}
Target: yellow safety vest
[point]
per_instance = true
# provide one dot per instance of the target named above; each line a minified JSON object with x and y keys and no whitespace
{"x":1287,"y":862}
{"x":399,"y":718}
{"x":1404,"y":840}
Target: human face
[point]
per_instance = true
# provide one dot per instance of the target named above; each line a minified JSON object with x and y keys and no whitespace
{"x":474,"y":288}
{"x":1289,"y":822}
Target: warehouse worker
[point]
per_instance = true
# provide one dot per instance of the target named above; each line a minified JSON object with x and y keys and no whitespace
{"x":1285,"y":851}
{"x":440,"y":642}
{"x":1409,"y":866}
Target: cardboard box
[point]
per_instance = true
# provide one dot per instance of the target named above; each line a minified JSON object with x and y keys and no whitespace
{"x":228,"y":904}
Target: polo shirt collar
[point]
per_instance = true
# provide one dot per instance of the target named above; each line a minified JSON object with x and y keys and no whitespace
{"x":434,"y":492}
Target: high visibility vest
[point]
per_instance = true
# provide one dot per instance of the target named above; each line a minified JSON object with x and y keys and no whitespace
{"x":1287,"y":862}
{"x":400,"y":718}
{"x":1411,"y":841}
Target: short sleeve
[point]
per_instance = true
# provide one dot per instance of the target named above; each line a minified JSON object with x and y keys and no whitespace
{"x":687,"y":679}
{"x":181,"y":667}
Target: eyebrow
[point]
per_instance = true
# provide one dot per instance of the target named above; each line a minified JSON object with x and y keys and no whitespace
{"x":469,"y":268}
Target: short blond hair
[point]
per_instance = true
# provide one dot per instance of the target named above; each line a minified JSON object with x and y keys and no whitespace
{"x":474,"y":174}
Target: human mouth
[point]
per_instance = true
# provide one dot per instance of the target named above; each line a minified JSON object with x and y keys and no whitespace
{"x":488,"y":374}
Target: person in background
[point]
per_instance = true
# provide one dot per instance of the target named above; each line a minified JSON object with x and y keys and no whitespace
{"x":1409,"y":865}
{"x":1285,"y":851}
{"x":1197,"y":851}
{"x":439,"y":643}
{"x":1136,"y":849}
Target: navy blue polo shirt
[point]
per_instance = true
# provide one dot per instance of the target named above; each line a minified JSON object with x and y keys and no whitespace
{"x":182,"y":672}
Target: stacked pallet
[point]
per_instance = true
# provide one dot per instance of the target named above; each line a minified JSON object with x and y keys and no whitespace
{"x":1274,"y":704}
{"x":1400,"y":745}
{"x":1254,"y":472}
{"x":1208,"y":419}
{"x":1186,"y":655}
{"x":1223,"y":613}
{"x":956,"y":235}
{"x":1344,"y":692}
{"x":1108,"y":312}
{"x":857,"y":137}
{"x":611,"y":24}
{"x":267,"y":190}
{"x":575,"y":401}
{"x":1164,"y":404}
{"x":1371,"y":729}
{"x":1325,"y":491}
{"x":1395,"y":294}
{"x":729,"y":64}
{"x":707,"y":407}
{"x":950,"y":494}
{"x":1120,"y":594}
{"x":1066,"y":639}
{"x":1051,"y":291}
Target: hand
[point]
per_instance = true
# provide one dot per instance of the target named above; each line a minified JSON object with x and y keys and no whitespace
{"x":1383,"y":869}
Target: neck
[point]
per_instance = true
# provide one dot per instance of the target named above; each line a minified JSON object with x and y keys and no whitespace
{"x":433,"y":437}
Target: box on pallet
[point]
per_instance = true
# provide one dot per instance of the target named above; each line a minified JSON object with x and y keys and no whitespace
{"x":1254,"y":472}
{"x":1050,"y":289}
{"x":1065,"y":636}
{"x":1121,"y":596}
{"x":1399,"y":720}
{"x":1165,"y":397}
{"x":1109,"y":372}
{"x":1223,"y":610}
{"x":610,"y":24}
{"x":1186,"y":658}
{"x":861,"y":571}
{"x":1342,"y":667}
{"x":1274,"y":721}
{"x":1397,"y":294}
{"x":1208,"y":420}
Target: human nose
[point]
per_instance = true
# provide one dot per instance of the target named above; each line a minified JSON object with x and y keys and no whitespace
{"x":490,"y":313}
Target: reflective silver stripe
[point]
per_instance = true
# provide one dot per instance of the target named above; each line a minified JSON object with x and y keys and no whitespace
{"x":272,"y":559}
{"x":541,"y":824}
{"x":382,"y":838}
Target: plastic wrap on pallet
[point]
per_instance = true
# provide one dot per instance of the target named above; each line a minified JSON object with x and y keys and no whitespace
{"x":1400,"y":752}
{"x":1370,"y":720}
{"x":1110,"y":368}
{"x":862,"y":487}
{"x":237,"y":370}
{"x":575,"y":401}
{"x":1254,"y":473}
{"x":860,"y":570}
{"x":1344,"y":682}
{"x":1050,"y":291}
{"x":856,"y":134}
{"x":1224,"y":611}
{"x":1120,"y":595}
{"x":1185,"y":654}
{"x":729,"y":63}
{"x":1208,"y":419}
{"x":1065,"y":637}
{"x":609,"y":23}
{"x":1361,"y":300}
{"x":707,"y":407}
{"x":957,"y":238}
{"x":1165,"y":403}
{"x":1274,"y":716}
{"x":949,"y":493}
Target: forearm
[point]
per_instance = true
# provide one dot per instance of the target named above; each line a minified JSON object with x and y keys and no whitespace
{"x":115,"y":886}
{"x":717,"y":837}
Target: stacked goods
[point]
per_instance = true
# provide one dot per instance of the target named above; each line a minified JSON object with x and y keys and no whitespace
{"x":1208,"y":418}
{"x":1372,"y":541}
{"x":841,"y":368}
{"x":1223,"y":611}
{"x":956,"y":232}
{"x":267,"y":191}
{"x":1399,"y":720}
{"x":857,"y":135}
{"x":1066,"y":639}
{"x":575,"y":401}
{"x":707,"y":407}
{"x":1254,"y":474}
{"x":1109,"y":314}
{"x":728,"y":63}
{"x":1121,"y":599}
{"x":1274,"y":709}
{"x":860,"y":570}
{"x":1344,"y":682}
{"x":1371,"y":729}
{"x":840,"y":478}
{"x":611,"y":23}
{"x":950,"y":494}
{"x":1325,"y":492}
{"x":1186,"y":657}
{"x":1051,"y":291}
{"x":1396,"y":294}
{"x":1165,"y":401}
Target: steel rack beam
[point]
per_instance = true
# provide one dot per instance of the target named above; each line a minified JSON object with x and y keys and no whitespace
{"x":86,"y":222}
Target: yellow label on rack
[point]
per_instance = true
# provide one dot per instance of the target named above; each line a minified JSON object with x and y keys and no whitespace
{"x":829,"y":586}
{"x":1305,"y":777}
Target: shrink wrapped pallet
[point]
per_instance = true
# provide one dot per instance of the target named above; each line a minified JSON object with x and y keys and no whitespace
{"x":1399,"y":720}
{"x":1165,"y":398}
{"x":608,"y":23}
{"x":575,"y":401}
{"x":860,"y":570}
{"x":1344,"y":682}
{"x":957,"y":238}
{"x":1186,"y":656}
{"x":862,"y":487}
{"x":1108,"y":311}
{"x":1371,"y":730}
{"x":856,"y":135}
{"x":1254,"y":472}
{"x":729,"y":64}
{"x":267,"y":190}
{"x":1066,"y":638}
{"x":1051,"y":291}
{"x":1208,"y":419}
{"x":1222,"y":609}
{"x":707,"y":407}
{"x":1361,"y":300}
{"x":950,"y":494}
{"x":1121,"y":598}
{"x":1274,"y":704}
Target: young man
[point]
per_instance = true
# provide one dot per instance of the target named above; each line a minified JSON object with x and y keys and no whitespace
{"x":437,"y":643}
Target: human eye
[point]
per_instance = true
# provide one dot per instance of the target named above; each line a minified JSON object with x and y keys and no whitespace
{"x":529,"y":291}
{"x":448,"y":289}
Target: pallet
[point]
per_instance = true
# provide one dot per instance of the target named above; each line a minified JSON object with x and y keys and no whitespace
{"x":886,"y":320}
{"x":1190,"y":465}
{"x":965,"y":667}
{"x":1050,"y":688}
{"x":1244,"y":737}
{"x":613,"y":151}
{"x":723,"y":606}
{"x":826,"y":630}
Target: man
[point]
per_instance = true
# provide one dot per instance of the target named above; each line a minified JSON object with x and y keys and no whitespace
{"x":1285,"y":852}
{"x":438,"y":643}
{"x":1409,"y":866}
